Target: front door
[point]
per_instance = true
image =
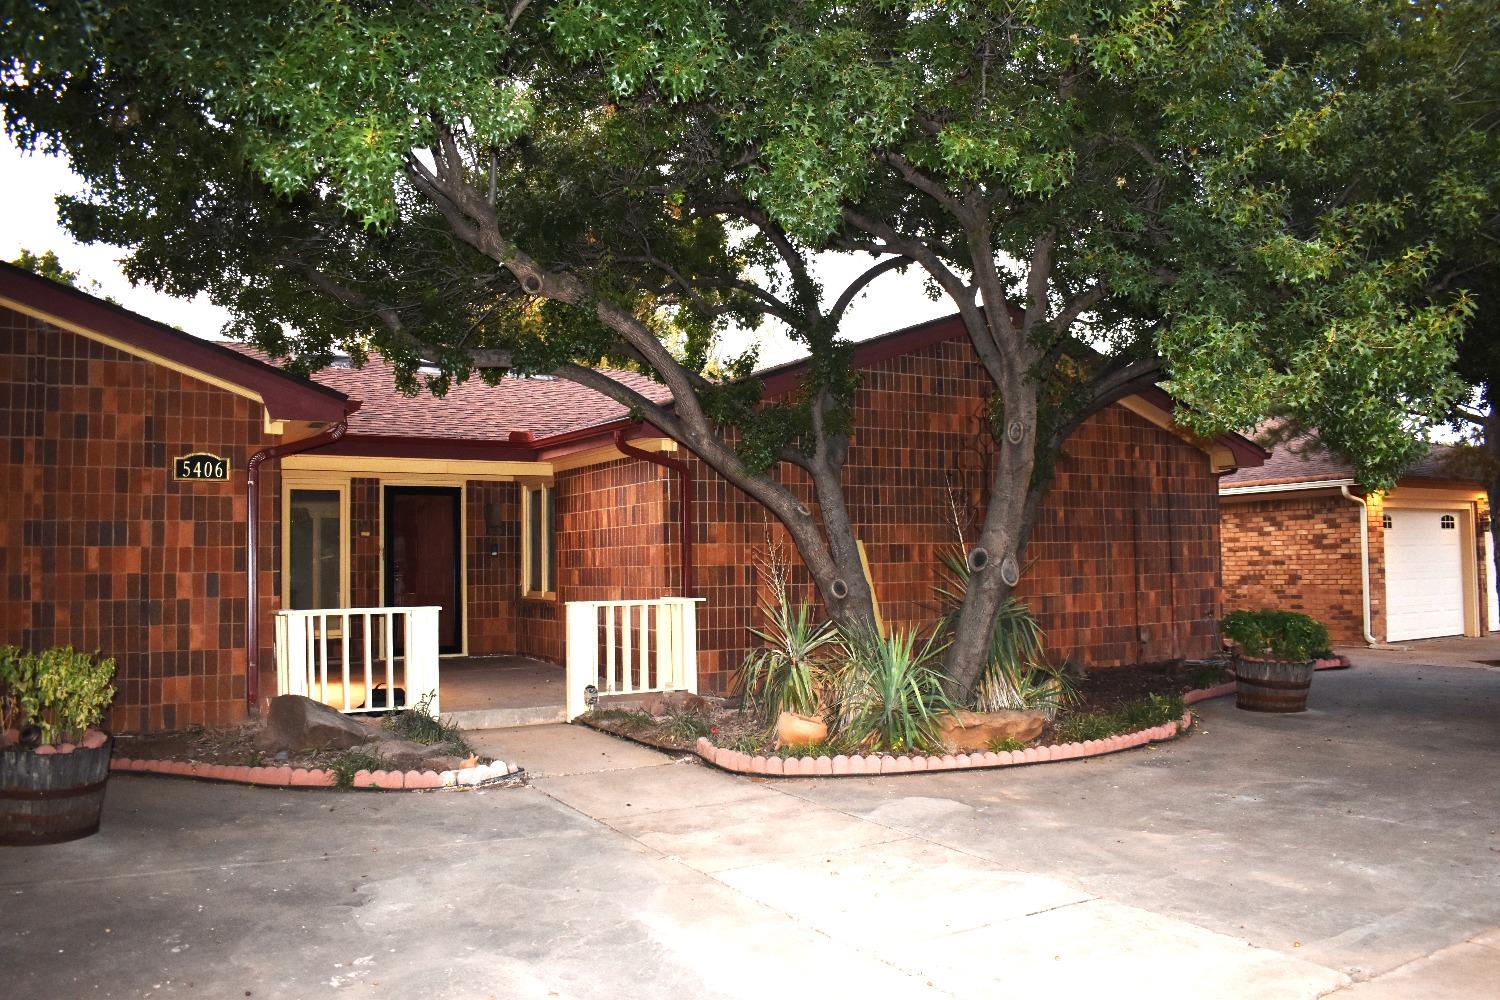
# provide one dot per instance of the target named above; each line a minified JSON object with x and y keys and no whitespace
{"x":421,"y":555}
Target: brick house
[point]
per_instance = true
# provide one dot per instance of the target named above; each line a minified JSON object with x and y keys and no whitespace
{"x":500,"y":505}
{"x":1412,"y":563}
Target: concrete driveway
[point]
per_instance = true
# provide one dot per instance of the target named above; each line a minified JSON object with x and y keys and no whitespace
{"x":1350,"y":851}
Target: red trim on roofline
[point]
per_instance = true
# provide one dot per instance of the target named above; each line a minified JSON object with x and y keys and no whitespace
{"x":286,"y":397}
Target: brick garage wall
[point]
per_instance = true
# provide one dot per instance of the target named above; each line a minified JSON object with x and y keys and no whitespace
{"x":1302,"y":554}
{"x":1123,"y":566}
{"x":100,"y":549}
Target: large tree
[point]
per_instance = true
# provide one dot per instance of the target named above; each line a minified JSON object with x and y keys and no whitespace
{"x":1112,"y":195}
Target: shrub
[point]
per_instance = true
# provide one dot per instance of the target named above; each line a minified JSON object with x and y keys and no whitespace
{"x":1016,"y":674}
{"x":788,"y":673}
{"x":889,"y":694}
{"x":1005,"y":744}
{"x":1275,"y":635}
{"x":60,"y":690}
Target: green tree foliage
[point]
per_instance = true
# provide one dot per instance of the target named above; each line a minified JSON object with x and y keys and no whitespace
{"x":1216,"y":196}
{"x":47,"y":265}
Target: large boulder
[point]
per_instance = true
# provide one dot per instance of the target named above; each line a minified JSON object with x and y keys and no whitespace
{"x":966,"y":731}
{"x":298,"y":723}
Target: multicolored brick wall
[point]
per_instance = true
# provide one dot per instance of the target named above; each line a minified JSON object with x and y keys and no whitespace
{"x":1301,"y":554}
{"x":1123,"y":566}
{"x":101,"y":550}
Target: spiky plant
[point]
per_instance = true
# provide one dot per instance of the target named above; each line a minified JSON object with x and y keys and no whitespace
{"x":889,"y":692}
{"x":787,"y":673}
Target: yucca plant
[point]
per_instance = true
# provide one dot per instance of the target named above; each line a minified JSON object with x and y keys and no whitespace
{"x":888,"y":692}
{"x":787,"y":673}
{"x":1017,"y":673}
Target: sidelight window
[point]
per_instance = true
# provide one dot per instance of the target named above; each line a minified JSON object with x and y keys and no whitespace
{"x":538,"y":507}
{"x":314,"y":549}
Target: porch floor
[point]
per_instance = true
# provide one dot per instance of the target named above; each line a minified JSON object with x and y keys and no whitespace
{"x":473,"y":685}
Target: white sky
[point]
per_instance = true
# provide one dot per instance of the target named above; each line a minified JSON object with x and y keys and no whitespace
{"x":29,"y":185}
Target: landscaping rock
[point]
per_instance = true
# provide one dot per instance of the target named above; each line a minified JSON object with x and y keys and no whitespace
{"x":977,"y":730}
{"x":298,"y":723}
{"x":682,"y":701}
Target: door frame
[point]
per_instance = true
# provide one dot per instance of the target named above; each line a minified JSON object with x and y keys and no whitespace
{"x":1464,"y":511}
{"x":460,"y":576}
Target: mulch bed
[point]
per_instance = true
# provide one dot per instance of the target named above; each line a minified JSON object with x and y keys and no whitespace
{"x":235,"y":746}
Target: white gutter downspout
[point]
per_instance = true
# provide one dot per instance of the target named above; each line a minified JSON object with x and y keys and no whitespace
{"x":1364,"y":556}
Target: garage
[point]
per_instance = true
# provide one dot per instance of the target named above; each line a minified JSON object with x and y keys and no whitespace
{"x":1424,"y":573}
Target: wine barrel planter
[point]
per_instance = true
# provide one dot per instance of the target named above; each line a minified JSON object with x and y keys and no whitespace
{"x":1272,"y":685}
{"x":51,"y":798}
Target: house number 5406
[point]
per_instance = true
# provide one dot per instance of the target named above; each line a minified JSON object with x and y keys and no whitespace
{"x":200,"y":466}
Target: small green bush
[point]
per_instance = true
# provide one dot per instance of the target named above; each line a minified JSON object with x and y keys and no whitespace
{"x":1130,"y":717}
{"x":61,"y":690}
{"x":1009,"y":743}
{"x":1276,"y":635}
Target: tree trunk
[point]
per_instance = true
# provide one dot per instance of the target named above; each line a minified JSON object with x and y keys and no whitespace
{"x":996,"y":557}
{"x":1492,"y":491}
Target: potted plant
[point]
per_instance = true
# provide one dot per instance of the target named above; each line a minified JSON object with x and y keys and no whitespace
{"x":1274,"y":658}
{"x":54,"y":762}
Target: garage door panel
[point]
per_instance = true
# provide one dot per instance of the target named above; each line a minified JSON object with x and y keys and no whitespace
{"x":1424,"y":574}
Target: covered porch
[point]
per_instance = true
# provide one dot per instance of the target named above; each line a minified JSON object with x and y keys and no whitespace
{"x":370,"y":660}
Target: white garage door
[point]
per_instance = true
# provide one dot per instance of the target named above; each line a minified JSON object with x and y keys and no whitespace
{"x":1424,"y":574}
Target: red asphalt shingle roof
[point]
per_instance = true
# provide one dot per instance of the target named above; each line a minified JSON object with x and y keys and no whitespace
{"x":472,"y":410}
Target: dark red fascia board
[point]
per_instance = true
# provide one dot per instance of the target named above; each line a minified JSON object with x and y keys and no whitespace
{"x":286,"y":397}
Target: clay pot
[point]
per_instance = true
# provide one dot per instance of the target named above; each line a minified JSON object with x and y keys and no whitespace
{"x":794,"y":730}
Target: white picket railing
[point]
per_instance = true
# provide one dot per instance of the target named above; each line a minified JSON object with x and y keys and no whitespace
{"x":363,"y":645}
{"x":630,"y":647}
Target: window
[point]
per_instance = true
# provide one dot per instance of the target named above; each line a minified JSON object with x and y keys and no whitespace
{"x":314,"y":549}
{"x":1449,"y":522}
{"x":1385,"y":521}
{"x":537,"y":546}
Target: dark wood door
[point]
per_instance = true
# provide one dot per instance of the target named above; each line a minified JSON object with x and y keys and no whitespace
{"x":422,"y":554}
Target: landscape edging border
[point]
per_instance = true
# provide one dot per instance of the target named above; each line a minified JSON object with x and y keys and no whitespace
{"x":286,"y":776}
{"x":863,"y":766}
{"x":859,"y":766}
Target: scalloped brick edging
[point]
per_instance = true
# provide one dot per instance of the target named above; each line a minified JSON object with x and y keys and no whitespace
{"x":857,"y":765}
{"x":300,"y":777}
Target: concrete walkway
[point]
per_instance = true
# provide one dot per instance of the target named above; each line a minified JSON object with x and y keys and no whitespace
{"x":1352,"y":852}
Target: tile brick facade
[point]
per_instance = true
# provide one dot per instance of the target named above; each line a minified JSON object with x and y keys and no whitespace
{"x":101,"y":550}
